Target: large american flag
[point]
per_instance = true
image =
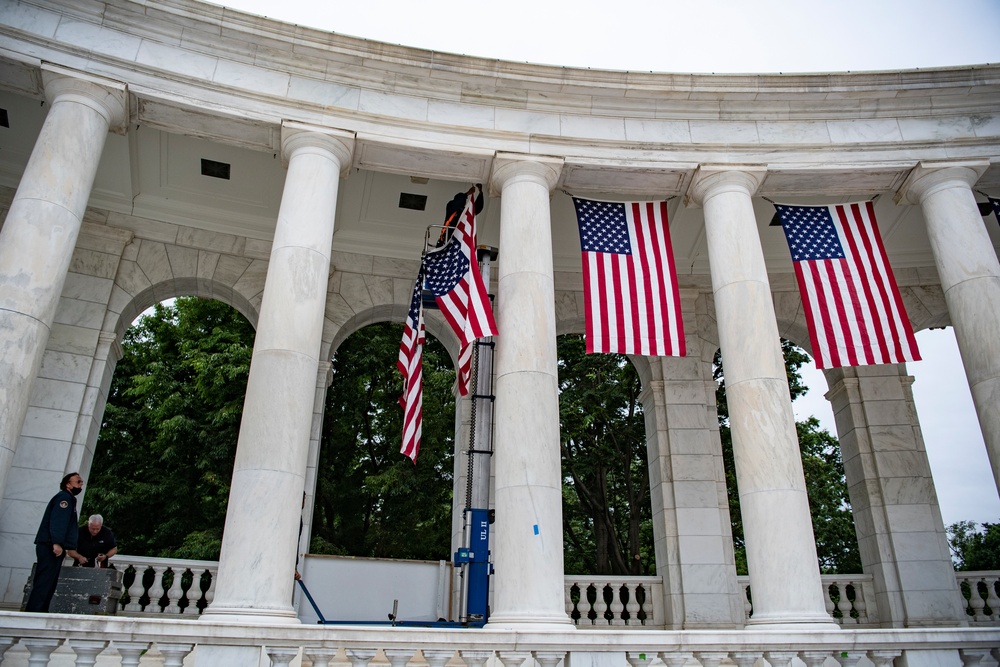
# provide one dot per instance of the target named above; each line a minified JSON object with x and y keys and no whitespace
{"x":996,"y":207}
{"x":453,"y":277}
{"x":410,"y":364}
{"x":631,"y":301}
{"x":852,"y":305}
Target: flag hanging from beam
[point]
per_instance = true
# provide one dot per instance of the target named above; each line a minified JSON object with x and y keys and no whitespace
{"x":631,"y":301}
{"x":453,"y":277}
{"x":852,"y":306}
{"x":410,"y":364}
{"x":996,"y":207}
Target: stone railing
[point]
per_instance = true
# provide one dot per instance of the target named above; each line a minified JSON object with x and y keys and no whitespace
{"x":34,"y":639}
{"x":592,"y":602}
{"x":850,"y":599}
{"x":984,"y":606}
{"x":155,"y":586}
{"x":621,"y":601}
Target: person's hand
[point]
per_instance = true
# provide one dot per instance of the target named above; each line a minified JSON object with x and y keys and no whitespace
{"x":100,"y":558}
{"x":297,"y":575}
{"x":81,"y":559}
{"x":57,"y":550}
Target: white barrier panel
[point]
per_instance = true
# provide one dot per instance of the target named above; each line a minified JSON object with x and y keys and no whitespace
{"x":363,"y":589}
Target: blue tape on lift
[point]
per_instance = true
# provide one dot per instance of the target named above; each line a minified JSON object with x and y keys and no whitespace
{"x":536,"y":529}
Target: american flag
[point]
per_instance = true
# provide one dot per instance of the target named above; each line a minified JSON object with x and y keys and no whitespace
{"x":410,"y":364}
{"x":852,"y":305}
{"x":631,"y":301}
{"x":454,"y":279}
{"x":996,"y":207}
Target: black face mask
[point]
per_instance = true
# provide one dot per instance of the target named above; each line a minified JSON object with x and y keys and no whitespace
{"x":76,"y":491}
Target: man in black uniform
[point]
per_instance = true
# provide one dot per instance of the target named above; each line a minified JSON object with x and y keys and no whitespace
{"x":96,"y":543}
{"x":454,"y":209}
{"x":56,"y":538}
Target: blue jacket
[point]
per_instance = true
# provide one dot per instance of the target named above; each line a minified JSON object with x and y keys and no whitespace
{"x":59,"y":523}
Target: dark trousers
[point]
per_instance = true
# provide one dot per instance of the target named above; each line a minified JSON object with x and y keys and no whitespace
{"x":46,"y":578}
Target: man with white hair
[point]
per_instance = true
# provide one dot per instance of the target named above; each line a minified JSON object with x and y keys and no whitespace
{"x":96,"y":543}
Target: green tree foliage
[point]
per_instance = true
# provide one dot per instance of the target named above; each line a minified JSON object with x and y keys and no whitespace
{"x":164,"y":457}
{"x":973,"y":549}
{"x":823,"y":468}
{"x":372,"y":501}
{"x":607,"y":519}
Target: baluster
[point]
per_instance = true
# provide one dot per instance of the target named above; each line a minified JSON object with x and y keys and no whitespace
{"x":39,"y":650}
{"x":617,"y":606}
{"x":174,"y":592}
{"x":6,"y":643}
{"x":971,"y":657}
{"x":780,"y":658}
{"x":568,"y":598}
{"x":747,"y":601}
{"x":87,"y":651}
{"x":832,"y":591}
{"x":883,"y":658}
{"x":136,"y":590}
{"x":209,"y":593}
{"x":712,"y":658}
{"x":188,"y":606}
{"x":130,"y":652}
{"x":633,"y":607}
{"x":814,"y":658}
{"x":849,"y":658}
{"x":471,"y":658}
{"x":512,"y":658}
{"x":322,"y":657}
{"x":360,"y":657}
{"x":976,"y":600}
{"x":600,"y":605}
{"x":675,"y":658}
{"x":281,"y":655}
{"x":156,"y":589}
{"x":860,"y":604}
{"x":548,"y":658}
{"x":846,"y":603}
{"x":437,"y":658}
{"x":992,"y":599}
{"x":749,"y":658}
{"x":174,"y":654}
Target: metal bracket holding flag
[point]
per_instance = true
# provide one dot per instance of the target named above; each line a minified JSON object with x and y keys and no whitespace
{"x":853,"y":307}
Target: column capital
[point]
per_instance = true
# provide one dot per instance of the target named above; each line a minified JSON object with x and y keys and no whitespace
{"x":105,"y":96}
{"x":712,"y":179}
{"x":297,"y":136}
{"x":509,"y":167}
{"x":928,"y":177}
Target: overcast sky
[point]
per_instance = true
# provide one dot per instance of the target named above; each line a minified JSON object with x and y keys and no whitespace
{"x":728,"y":36}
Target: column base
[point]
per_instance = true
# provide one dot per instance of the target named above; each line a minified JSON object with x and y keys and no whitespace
{"x":798,"y":622}
{"x":529,"y":622}
{"x":250,"y":616}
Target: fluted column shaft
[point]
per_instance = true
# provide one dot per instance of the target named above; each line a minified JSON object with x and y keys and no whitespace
{"x":781,"y":549}
{"x":528,"y":544}
{"x":256,"y":572}
{"x":41,"y":229}
{"x":970,"y":278}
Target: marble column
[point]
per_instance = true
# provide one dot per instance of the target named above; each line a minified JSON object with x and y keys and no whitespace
{"x":41,"y":229}
{"x":781,"y":548}
{"x":255,"y":578}
{"x":970,"y":278}
{"x":901,"y":536}
{"x":527,"y":544}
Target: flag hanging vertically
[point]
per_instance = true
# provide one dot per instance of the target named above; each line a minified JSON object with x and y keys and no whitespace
{"x":996,"y":207}
{"x":852,"y":306}
{"x":410,"y":364}
{"x":631,"y":301}
{"x":454,"y":279}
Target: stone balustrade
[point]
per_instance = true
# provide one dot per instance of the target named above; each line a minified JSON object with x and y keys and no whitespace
{"x":37,"y":639}
{"x":981,"y":596}
{"x":615,"y":601}
{"x":165,"y":586}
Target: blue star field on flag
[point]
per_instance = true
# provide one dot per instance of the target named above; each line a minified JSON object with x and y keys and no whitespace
{"x":811,"y":233}
{"x":445,"y":268}
{"x":603,"y":227}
